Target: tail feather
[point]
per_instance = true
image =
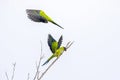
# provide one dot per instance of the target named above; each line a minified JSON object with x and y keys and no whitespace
{"x":48,"y":60}
{"x":45,"y":62}
{"x":57,"y":24}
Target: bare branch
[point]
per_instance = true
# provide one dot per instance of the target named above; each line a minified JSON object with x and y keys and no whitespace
{"x":6,"y":75}
{"x":48,"y":68}
{"x":38,"y":66}
{"x":38,"y":75}
{"x":69,"y":44}
{"x":28,"y":76}
{"x":14,"y":65}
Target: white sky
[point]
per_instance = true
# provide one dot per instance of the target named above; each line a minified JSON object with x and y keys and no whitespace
{"x":94,"y":25}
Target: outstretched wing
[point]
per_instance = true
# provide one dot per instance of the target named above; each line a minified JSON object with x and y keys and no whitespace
{"x":60,"y":41}
{"x":35,"y":16}
{"x":51,"y":40}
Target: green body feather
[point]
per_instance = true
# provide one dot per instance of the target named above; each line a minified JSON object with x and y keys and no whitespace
{"x":42,"y":13}
{"x":57,"y":54}
{"x":55,"y":47}
{"x":59,"y":51}
{"x":40,"y":16}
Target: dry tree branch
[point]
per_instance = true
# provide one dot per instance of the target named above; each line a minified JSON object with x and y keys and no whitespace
{"x":48,"y":68}
{"x":38,"y":75}
{"x":28,"y":76}
{"x":38,"y":66}
{"x":67,"y":46}
{"x":14,"y":65}
{"x":6,"y":75}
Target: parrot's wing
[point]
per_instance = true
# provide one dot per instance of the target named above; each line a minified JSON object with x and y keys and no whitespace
{"x":34,"y":16}
{"x":50,"y":41}
{"x":32,"y":11}
{"x":60,"y":41}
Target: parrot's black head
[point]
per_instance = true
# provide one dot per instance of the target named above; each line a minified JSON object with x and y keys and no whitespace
{"x":65,"y":48}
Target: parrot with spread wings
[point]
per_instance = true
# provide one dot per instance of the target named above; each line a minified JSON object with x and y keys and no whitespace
{"x":40,"y":16}
{"x":55,"y":47}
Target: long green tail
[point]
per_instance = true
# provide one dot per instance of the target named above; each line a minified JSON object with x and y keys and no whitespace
{"x":48,"y":60}
{"x":56,"y":24}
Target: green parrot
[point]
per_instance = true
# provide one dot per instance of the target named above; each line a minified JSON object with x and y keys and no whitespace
{"x":55,"y":47}
{"x":40,"y":16}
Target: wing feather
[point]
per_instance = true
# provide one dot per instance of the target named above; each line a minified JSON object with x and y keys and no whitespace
{"x":60,"y":41}
{"x":50,"y":42}
{"x":35,"y":16}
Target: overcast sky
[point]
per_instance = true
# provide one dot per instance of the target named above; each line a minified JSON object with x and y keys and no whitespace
{"x":94,"y":25}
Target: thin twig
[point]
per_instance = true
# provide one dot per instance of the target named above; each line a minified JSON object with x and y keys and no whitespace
{"x":38,"y":66}
{"x":69,"y":44}
{"x":48,"y":68}
{"x":38,"y":75}
{"x":6,"y":75}
{"x":13,"y":71}
{"x":28,"y":76}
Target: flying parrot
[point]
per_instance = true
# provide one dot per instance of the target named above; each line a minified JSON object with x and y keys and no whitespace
{"x":55,"y":47}
{"x":40,"y":16}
